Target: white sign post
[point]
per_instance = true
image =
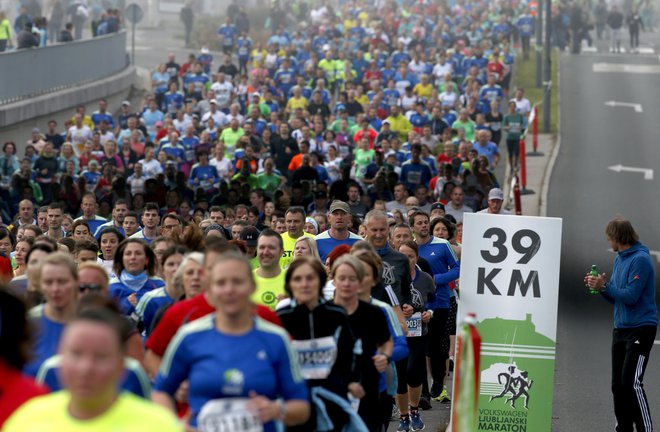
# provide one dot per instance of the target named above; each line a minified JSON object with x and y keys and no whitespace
{"x":510,"y":280}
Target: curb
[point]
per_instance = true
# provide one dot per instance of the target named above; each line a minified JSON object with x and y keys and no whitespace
{"x":549,"y":168}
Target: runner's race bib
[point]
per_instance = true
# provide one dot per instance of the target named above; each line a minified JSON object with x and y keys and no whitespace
{"x":228,"y":415}
{"x":316,"y":356}
{"x":414,"y":324}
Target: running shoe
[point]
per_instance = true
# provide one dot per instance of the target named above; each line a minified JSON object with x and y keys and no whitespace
{"x":435,"y":391}
{"x":404,"y":425}
{"x":424,"y":403}
{"x":444,"y":397}
{"x":416,"y":423}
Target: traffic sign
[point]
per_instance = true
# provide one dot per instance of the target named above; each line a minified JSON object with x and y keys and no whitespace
{"x":134,"y":13}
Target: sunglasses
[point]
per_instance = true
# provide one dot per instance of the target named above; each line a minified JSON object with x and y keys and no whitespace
{"x":90,"y":287}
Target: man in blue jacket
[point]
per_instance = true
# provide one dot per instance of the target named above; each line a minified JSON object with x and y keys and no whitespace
{"x":631,"y":289}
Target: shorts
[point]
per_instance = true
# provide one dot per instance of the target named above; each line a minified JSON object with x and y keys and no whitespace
{"x":513,"y":147}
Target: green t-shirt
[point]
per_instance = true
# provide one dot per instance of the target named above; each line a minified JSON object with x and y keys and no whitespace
{"x":289,"y":244}
{"x":230,"y":137}
{"x":129,"y":413}
{"x":268,"y":182}
{"x":469,"y":127}
{"x":268,"y":289}
{"x":513,"y":124}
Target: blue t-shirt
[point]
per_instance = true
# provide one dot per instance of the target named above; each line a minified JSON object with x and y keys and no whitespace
{"x":220,"y":366}
{"x":489,"y":150}
{"x":135,"y":379}
{"x":120,"y":292}
{"x":94,"y":224}
{"x":109,"y":224}
{"x":244,"y":47}
{"x":150,"y":303}
{"x":189,"y":146}
{"x":228,"y":32}
{"x":415,"y":174}
{"x":326,"y":243}
{"x":172,"y":102}
{"x":440,"y":256}
{"x":97,"y":117}
{"x":207,"y":176}
{"x":46,"y":340}
{"x":526,"y":25}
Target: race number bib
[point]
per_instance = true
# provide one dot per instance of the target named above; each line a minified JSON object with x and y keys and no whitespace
{"x":316,"y":356}
{"x":228,"y":415}
{"x":414,"y":324}
{"x":414,"y":177}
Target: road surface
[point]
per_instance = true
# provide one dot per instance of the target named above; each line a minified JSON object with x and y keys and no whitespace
{"x":609,"y":117}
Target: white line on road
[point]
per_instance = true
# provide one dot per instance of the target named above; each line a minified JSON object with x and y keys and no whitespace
{"x":636,"y":106}
{"x":656,"y":342}
{"x":626,"y":68}
{"x":648,"y":172}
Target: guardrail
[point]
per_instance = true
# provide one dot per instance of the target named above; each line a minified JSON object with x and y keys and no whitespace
{"x":36,"y":71}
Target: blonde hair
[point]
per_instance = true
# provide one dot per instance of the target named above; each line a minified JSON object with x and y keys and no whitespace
{"x":351,"y":261}
{"x":311,"y":243}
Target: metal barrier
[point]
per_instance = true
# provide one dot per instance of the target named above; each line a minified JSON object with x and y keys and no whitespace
{"x":30,"y":72}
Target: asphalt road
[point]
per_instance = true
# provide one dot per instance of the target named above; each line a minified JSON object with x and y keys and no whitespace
{"x":586,"y":194}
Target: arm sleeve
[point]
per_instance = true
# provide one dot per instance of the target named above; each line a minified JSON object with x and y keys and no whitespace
{"x":405,"y":284}
{"x":636,"y":282}
{"x":291,"y":383}
{"x":400,"y":350}
{"x":454,"y":268}
{"x":175,"y":367}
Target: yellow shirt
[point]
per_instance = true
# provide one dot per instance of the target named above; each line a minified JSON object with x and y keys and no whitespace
{"x":129,"y":413}
{"x":423,"y":91}
{"x":289,"y":244}
{"x":87,"y":121}
{"x":295,"y":103}
{"x":268,"y":289}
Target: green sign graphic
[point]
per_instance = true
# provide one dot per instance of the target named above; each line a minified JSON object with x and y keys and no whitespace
{"x":517,"y":370}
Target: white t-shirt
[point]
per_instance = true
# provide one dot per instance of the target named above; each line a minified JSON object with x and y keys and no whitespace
{"x":523,"y":106}
{"x":219,"y":117}
{"x":440,"y":70}
{"x":152,"y":168}
{"x":79,"y":136}
{"x":223,"y":93}
{"x":223,"y":167}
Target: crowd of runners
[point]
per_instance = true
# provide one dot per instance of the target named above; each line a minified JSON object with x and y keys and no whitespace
{"x":273,"y":235}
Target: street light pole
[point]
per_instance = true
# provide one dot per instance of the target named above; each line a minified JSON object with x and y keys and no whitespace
{"x":537,"y":45}
{"x":547,"y":75}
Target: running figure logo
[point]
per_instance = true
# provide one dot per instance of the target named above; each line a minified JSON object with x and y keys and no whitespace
{"x":515,"y":382}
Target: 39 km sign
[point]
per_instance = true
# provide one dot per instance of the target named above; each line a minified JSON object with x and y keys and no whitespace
{"x":510,"y":280}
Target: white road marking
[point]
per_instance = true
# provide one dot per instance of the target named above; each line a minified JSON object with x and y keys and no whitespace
{"x":626,"y":68}
{"x":636,"y":106}
{"x":648,"y":172}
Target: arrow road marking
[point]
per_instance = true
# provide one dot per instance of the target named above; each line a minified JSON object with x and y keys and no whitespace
{"x":636,"y":106}
{"x":648,"y":172}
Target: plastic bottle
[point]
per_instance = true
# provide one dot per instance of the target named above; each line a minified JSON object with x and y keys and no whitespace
{"x":594,"y":273}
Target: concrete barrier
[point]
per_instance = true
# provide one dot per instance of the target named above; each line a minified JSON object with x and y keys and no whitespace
{"x":18,"y":119}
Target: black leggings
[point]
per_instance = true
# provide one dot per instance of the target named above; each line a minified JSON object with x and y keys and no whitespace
{"x":412,"y":371}
{"x":437,"y":345}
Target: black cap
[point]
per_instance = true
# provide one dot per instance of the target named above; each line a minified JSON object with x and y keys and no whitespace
{"x":437,"y":205}
{"x":250,"y":235}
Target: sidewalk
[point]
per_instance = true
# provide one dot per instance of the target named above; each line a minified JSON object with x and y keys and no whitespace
{"x":538,"y":177}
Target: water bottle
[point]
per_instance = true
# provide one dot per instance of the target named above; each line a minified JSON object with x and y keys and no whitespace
{"x":594,"y":273}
